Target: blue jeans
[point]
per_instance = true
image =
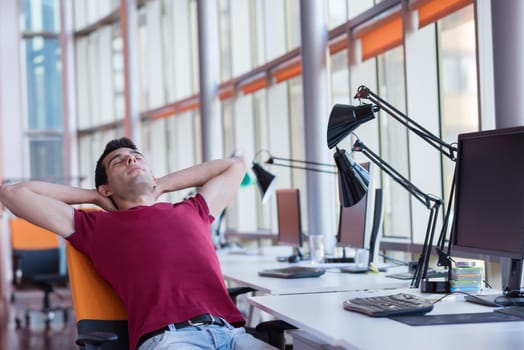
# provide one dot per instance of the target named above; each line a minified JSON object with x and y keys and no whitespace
{"x":204,"y":337}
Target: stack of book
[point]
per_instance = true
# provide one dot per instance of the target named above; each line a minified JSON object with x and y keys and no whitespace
{"x":466,"y":279}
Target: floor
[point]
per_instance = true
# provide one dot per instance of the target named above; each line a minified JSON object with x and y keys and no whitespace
{"x":60,"y":336}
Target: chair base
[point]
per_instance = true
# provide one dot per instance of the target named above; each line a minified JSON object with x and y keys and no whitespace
{"x":49,"y":315}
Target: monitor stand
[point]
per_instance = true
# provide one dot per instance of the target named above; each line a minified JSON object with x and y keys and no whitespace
{"x":293,"y":258}
{"x":340,"y":259}
{"x":495,"y":300}
{"x":512,"y":295}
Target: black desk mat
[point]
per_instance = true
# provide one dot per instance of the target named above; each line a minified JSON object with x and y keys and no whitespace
{"x":431,"y":320}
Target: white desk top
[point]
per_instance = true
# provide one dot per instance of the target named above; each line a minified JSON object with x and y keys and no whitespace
{"x":243,"y":269}
{"x":323,"y":316}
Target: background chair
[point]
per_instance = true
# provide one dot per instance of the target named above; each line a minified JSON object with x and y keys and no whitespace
{"x":36,"y":263}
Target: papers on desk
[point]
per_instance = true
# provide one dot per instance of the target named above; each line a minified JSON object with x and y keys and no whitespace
{"x":293,"y":271}
{"x":243,"y":252}
{"x":341,"y":265}
{"x":325,"y":265}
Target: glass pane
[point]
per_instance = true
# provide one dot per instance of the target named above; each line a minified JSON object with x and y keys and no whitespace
{"x":178,"y":47}
{"x":224,"y":22}
{"x":337,"y":12}
{"x":357,"y":7}
{"x":394,"y":150}
{"x":44,"y":86}
{"x":241,"y":37}
{"x":293,"y":24}
{"x":458,"y":77}
{"x":340,"y":78}
{"x":47,"y":159}
{"x":117,"y":52}
{"x":297,"y":141}
{"x":41,"y":15}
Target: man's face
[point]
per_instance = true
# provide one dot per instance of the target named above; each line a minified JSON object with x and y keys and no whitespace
{"x":127,"y":172}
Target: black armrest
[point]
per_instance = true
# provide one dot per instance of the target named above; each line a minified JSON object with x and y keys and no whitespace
{"x":234,"y":292}
{"x":272,"y":332}
{"x":94,"y":340}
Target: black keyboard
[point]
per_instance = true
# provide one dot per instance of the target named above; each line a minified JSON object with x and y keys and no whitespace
{"x":293,"y":272}
{"x":390,"y":305}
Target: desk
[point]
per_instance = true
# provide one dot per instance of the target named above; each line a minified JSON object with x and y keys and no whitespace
{"x":243,"y":270}
{"x":323,"y":316}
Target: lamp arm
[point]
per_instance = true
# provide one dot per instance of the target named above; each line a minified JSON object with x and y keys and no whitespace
{"x":272,"y":158}
{"x":302,"y":168}
{"x":423,"y":197}
{"x":447,"y":149}
{"x":431,"y":202}
{"x":423,"y":263}
{"x":290,"y":164}
{"x":445,"y":256}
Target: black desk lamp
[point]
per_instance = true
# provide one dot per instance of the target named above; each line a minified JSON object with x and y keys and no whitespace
{"x":449,"y":150}
{"x":431,"y":202}
{"x":266,"y":180}
{"x":350,"y":191}
{"x":345,"y":119}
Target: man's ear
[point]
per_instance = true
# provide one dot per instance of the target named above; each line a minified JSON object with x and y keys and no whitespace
{"x":105,"y":190}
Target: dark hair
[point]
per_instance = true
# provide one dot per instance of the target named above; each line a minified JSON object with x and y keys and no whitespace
{"x":100,"y":170}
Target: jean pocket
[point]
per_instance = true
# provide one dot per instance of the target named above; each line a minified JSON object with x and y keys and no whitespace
{"x":153,"y":342}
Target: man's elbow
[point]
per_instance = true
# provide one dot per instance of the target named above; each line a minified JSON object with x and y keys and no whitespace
{"x":9,"y":191}
{"x":240,"y":164}
{"x":4,"y":191}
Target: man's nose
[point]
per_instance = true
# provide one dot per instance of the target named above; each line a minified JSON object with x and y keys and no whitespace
{"x":131,"y":159}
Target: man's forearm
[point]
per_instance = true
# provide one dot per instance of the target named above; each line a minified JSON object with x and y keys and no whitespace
{"x":46,"y":204}
{"x":63,"y":193}
{"x":195,"y":176}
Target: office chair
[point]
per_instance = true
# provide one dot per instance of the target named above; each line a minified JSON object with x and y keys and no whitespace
{"x":100,"y":316}
{"x":36,"y":263}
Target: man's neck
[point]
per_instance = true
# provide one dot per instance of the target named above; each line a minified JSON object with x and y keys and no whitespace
{"x":124,"y":204}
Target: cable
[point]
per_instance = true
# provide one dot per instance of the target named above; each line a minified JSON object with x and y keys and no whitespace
{"x":393,"y":260}
{"x":441,"y":298}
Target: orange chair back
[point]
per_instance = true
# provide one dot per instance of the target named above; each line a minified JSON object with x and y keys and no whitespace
{"x":93,"y":298}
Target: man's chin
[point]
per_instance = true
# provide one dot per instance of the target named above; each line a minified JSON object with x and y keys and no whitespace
{"x":142,"y":184}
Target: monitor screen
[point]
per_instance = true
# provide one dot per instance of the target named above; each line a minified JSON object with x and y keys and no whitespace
{"x":489,"y":201}
{"x":352,"y":225}
{"x":288,"y":216}
{"x":352,"y":221}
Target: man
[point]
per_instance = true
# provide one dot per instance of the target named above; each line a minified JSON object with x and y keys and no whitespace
{"x":159,"y":257}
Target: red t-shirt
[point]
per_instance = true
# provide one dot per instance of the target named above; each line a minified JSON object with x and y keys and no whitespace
{"x":160,"y":260}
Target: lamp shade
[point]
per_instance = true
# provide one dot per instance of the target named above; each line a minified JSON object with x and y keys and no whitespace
{"x":343,"y":119}
{"x":247,"y":181}
{"x":353,"y":179}
{"x":265,"y":180}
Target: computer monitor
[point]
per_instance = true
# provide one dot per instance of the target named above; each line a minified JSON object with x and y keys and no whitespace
{"x":359,"y":224}
{"x":289,"y":221}
{"x":352,"y":220}
{"x":489,"y":201}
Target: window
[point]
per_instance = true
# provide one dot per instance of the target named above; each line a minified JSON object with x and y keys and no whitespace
{"x":458,"y":78}
{"x":44,"y":86}
{"x":43,"y":72}
{"x":393,"y":143}
{"x":44,"y":161}
{"x":41,"y":15}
